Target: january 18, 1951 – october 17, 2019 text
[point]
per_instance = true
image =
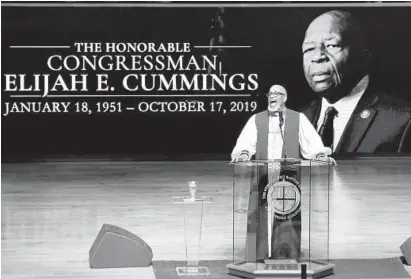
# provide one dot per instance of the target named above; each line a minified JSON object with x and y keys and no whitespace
{"x":84,"y":107}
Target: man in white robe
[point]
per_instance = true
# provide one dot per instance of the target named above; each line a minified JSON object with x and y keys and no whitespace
{"x":275,"y":133}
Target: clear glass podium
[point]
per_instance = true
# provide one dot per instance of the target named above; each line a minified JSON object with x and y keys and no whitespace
{"x":281,"y":219}
{"x":193,"y":207}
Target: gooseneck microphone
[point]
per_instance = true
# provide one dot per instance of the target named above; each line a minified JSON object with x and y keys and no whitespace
{"x":281,"y":123}
{"x":281,"y":118}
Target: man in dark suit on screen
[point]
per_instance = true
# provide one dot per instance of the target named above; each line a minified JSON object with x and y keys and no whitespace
{"x":352,"y":114}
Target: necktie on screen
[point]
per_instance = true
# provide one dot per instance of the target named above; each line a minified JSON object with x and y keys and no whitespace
{"x":327,"y":129}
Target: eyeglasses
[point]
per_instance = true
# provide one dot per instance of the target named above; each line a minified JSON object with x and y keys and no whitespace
{"x":274,"y":94}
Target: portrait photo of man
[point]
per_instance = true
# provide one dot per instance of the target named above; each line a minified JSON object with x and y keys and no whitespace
{"x":352,"y":114}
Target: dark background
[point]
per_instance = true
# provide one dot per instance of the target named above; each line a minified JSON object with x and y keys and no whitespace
{"x":275,"y":34}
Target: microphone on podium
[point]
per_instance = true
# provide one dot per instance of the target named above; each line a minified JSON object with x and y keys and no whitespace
{"x":281,"y":122}
{"x":281,"y":118}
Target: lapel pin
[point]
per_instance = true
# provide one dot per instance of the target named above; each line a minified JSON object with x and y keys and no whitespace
{"x":365,"y":113}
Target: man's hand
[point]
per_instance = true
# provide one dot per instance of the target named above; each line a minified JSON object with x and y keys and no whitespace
{"x":332,"y":161}
{"x":326,"y":158}
{"x":241,"y":157}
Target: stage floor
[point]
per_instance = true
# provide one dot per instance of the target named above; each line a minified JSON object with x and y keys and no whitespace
{"x":53,"y":211}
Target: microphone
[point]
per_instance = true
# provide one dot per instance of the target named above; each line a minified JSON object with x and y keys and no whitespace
{"x":281,"y":123}
{"x":281,"y":118}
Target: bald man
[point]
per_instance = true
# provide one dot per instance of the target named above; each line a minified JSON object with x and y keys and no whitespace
{"x":262,"y":138}
{"x":351,"y":115}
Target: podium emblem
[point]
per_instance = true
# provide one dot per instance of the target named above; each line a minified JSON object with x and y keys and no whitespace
{"x":284,"y":197}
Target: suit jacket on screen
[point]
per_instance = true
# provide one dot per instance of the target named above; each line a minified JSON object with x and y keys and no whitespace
{"x":387,"y":128}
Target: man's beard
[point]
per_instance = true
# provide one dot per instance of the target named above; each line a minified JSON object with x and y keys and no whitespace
{"x":277,"y":107}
